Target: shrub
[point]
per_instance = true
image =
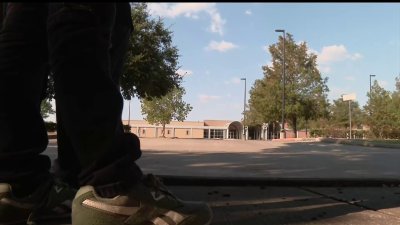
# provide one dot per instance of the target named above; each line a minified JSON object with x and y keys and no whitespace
{"x":50,"y":126}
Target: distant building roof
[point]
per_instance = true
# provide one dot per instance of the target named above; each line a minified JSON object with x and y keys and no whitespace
{"x":205,"y":123}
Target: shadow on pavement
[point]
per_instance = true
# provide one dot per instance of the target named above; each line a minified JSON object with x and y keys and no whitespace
{"x":293,"y":160}
{"x":289,"y":205}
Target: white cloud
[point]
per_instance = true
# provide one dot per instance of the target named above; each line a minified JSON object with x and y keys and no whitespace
{"x":182,"y":72}
{"x":208,"y":98}
{"x":217,"y":22}
{"x":248,"y":12}
{"x":383,"y":83}
{"x":331,"y":54}
{"x":222,"y":46}
{"x":190,"y":10}
{"x":335,"y":53}
{"x":173,"y":10}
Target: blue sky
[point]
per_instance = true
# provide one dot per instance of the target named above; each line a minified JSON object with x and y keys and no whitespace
{"x":219,"y":43}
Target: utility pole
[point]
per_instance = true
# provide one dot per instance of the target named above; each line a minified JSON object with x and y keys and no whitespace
{"x":283,"y":133}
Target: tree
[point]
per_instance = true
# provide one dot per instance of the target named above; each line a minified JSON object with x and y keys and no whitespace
{"x":379,"y":116}
{"x":150,"y":68}
{"x":394,"y":109}
{"x":152,"y":60}
{"x":46,"y":108}
{"x":162,"y":110}
{"x":305,"y":90}
{"x":339,"y":120}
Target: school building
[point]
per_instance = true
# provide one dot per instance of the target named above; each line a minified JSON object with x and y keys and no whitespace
{"x":207,"y":129}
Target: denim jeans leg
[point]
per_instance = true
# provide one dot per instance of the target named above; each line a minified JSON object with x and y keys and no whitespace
{"x":23,"y":67}
{"x":90,"y":103}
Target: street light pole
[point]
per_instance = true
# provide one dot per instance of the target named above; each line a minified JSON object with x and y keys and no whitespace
{"x":129,"y":113}
{"x":370,"y":87}
{"x":350,"y":117}
{"x":244,"y":108}
{"x":284,"y":83}
{"x":370,"y":90}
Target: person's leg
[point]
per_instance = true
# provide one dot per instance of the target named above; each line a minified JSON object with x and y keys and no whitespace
{"x":89,"y":102}
{"x":66,"y":166}
{"x":23,"y":57}
{"x":120,"y":38}
{"x":112,"y":191}
{"x":28,"y":192}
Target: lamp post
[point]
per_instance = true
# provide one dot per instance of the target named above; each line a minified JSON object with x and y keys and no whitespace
{"x":129,"y":113}
{"x":283,"y":133}
{"x":349,"y":97}
{"x":244,"y":108}
{"x":370,"y":87}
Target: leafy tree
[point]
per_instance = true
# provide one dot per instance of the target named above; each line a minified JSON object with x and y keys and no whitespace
{"x":46,"y":108}
{"x":394,"y":109}
{"x":379,"y":116}
{"x":162,"y":110}
{"x":305,"y":90}
{"x":152,"y":60}
{"x":339,"y":115}
{"x":398,"y":83}
{"x":263,"y":99}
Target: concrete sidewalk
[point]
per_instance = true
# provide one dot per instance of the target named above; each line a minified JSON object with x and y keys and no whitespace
{"x":268,"y":205}
{"x":264,"y":183}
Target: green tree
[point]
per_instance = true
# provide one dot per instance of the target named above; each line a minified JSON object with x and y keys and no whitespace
{"x":305,"y":89}
{"x":339,"y":118}
{"x":162,"y":110}
{"x":394,"y":109}
{"x":152,"y":60}
{"x":379,"y":112}
{"x":263,"y":100}
{"x":46,"y":108}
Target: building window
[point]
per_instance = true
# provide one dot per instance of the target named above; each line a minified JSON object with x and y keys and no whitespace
{"x":168,"y":131}
{"x":187,"y":132}
{"x":205,"y":133}
{"x":143,"y":131}
{"x":216,"y":133}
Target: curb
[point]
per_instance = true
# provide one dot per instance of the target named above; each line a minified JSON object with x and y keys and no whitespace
{"x":287,"y":182}
{"x":364,"y":143}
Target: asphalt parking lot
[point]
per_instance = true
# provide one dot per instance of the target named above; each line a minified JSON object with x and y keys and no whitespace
{"x":220,"y":172}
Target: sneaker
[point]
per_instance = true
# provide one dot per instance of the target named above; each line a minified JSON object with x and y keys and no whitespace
{"x":147,"y":203}
{"x":50,"y":201}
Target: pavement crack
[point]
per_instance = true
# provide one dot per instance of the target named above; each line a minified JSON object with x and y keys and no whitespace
{"x":337,"y":199}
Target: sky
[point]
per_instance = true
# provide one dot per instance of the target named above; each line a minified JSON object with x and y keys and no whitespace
{"x":220,"y":43}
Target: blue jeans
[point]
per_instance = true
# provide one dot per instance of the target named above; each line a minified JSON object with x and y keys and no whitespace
{"x":77,"y":42}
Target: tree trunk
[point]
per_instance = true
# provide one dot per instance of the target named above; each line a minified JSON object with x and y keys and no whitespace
{"x":163,"y":130}
{"x":306,"y":129}
{"x":295,"y":126}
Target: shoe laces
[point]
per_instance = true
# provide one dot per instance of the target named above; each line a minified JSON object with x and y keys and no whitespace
{"x":157,"y":185}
